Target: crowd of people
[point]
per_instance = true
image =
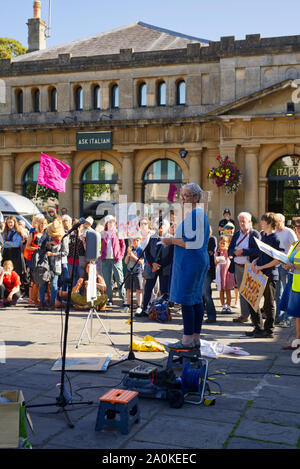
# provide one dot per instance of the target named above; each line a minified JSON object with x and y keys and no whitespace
{"x":181,"y":263}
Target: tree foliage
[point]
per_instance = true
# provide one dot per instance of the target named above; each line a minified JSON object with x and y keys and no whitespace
{"x":10,"y":48}
{"x":94,"y":191}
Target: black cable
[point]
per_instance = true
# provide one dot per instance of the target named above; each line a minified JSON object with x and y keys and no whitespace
{"x":225,"y":373}
{"x":96,"y":387}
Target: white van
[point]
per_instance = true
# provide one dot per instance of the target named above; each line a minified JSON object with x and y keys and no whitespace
{"x":18,"y":206}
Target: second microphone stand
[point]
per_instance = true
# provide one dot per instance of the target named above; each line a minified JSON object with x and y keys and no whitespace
{"x":63,"y":400}
{"x":131,"y":356}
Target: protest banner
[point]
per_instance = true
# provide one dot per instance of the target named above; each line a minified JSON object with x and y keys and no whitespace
{"x":253,"y":286}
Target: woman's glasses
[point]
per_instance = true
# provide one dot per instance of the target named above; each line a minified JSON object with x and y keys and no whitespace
{"x":186,"y":196}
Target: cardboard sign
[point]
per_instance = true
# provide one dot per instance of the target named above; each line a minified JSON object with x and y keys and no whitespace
{"x":253,"y":286}
{"x":127,"y":220}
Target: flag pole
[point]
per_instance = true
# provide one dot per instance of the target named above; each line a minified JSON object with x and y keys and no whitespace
{"x":35,"y":197}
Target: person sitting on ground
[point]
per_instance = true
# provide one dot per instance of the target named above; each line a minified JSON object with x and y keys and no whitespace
{"x":9,"y":284}
{"x":80,"y":300}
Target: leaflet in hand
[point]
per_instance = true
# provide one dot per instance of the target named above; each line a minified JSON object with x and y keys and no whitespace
{"x":272,"y":252}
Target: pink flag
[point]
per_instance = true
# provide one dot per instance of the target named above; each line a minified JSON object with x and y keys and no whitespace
{"x":53,"y":173}
{"x":172,"y":192}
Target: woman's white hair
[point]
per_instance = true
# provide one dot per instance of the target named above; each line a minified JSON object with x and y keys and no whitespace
{"x":194,"y":189}
{"x":247,"y":215}
{"x":280,"y":217}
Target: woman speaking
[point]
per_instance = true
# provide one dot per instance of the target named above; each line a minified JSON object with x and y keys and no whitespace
{"x":190,"y":265}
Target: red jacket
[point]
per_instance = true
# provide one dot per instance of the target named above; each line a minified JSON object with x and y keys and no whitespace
{"x":11,"y":280}
{"x":118,"y":246}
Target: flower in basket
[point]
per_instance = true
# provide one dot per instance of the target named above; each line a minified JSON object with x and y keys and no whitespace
{"x":226,"y":174}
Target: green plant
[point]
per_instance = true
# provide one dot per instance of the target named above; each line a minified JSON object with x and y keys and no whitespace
{"x":226,"y":174}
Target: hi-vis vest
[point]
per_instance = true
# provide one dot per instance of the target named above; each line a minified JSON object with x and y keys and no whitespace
{"x":296,"y":273}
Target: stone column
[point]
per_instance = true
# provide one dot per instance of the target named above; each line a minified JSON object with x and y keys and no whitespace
{"x":105,"y":96}
{"x":66,"y":198}
{"x":250,"y":181}
{"x":213,"y":192}
{"x":8,"y":172}
{"x":195,"y":167}
{"x":128,"y":175}
{"x":229,"y":199}
{"x":76,"y":199}
{"x":138,"y":191}
{"x":262,"y":188}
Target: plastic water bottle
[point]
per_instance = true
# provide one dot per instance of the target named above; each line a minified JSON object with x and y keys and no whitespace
{"x":67,"y":395}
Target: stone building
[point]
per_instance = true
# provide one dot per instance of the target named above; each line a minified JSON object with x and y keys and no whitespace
{"x":119,"y":107}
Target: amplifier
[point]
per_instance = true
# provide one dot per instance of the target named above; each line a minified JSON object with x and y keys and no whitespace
{"x":143,"y":371}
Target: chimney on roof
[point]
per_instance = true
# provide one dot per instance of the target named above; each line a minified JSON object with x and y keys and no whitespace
{"x":37,"y":9}
{"x":36,"y":29}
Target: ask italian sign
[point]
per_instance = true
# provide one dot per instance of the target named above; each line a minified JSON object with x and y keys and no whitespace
{"x":94,"y":141}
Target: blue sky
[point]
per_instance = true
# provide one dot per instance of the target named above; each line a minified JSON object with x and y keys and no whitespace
{"x":210,"y":19}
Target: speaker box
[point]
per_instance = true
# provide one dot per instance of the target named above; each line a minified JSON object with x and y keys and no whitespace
{"x":93,"y":243}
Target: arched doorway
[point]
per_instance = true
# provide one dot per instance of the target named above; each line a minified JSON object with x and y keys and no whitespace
{"x":99,"y":183}
{"x":45,"y":197}
{"x":161,"y":182}
{"x":284,"y":187}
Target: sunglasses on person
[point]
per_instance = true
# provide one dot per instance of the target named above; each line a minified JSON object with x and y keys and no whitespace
{"x":186,"y":196}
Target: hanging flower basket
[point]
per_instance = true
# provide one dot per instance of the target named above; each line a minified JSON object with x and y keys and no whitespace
{"x":226,"y":175}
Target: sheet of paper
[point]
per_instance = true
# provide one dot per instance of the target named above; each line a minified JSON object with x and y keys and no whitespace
{"x":272,"y":252}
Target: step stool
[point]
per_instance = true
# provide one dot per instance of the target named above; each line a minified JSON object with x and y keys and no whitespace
{"x":181,"y":357}
{"x":119,"y":408}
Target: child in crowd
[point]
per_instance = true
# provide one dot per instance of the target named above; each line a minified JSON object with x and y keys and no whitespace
{"x":131,"y":260}
{"x":224,"y":280}
{"x":9,"y":284}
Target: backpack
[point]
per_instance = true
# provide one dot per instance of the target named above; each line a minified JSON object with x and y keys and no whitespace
{"x":40,"y":268}
{"x":159,"y":310}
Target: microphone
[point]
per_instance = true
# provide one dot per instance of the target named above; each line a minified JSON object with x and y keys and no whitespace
{"x":81,"y":221}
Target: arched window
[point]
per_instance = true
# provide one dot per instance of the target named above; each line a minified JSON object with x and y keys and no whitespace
{"x":114,"y":96}
{"x":78,"y":98}
{"x":19,"y":101}
{"x":162,"y":178}
{"x":45,"y":196}
{"x":96,"y":97}
{"x":36,"y":100}
{"x":142,"y":95}
{"x":181,"y":92}
{"x":161,"y":94}
{"x":53,"y":99}
{"x":99,"y":184}
{"x":284,"y":187}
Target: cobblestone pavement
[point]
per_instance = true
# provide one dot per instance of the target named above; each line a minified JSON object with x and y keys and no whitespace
{"x":257,"y":400}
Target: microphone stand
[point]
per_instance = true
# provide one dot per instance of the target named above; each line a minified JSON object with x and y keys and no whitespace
{"x":63,"y":399}
{"x":131,"y":356}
